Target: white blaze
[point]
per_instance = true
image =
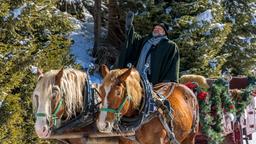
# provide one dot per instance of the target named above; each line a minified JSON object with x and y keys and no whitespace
{"x":103,"y":114}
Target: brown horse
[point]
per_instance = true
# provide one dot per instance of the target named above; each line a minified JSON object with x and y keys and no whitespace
{"x":121,"y":90}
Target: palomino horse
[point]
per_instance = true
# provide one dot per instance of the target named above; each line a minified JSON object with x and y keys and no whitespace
{"x":121,"y":90}
{"x":58,"y":95}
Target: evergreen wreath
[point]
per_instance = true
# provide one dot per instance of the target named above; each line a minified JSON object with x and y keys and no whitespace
{"x":212,"y":108}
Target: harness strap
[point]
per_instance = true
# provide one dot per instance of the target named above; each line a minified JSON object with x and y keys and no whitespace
{"x":162,"y":88}
{"x":163,"y":121}
{"x":195,"y":116}
{"x":170,"y":133}
{"x":54,"y":114}
{"x":162,"y":102}
{"x":40,"y":114}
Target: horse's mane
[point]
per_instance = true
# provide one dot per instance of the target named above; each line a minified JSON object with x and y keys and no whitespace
{"x":71,"y":87}
{"x":132,"y":82}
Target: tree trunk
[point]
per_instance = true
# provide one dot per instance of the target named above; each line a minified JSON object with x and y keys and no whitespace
{"x":115,"y":35}
{"x":97,"y":25}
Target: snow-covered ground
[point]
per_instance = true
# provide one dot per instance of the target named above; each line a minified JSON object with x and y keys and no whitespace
{"x":83,"y":38}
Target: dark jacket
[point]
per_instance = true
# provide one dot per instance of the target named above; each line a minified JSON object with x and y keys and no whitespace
{"x":164,"y":57}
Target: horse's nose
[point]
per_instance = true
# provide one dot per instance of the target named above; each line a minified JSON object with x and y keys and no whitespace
{"x":101,"y":125}
{"x":105,"y":127}
{"x":42,"y":129}
{"x":108,"y":127}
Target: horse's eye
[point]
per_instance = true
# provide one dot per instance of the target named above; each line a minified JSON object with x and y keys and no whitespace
{"x":54,"y":95}
{"x":37,"y":101}
{"x":55,"y":92}
{"x":118,"y":92}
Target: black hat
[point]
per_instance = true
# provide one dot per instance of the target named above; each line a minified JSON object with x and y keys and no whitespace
{"x":163,"y":25}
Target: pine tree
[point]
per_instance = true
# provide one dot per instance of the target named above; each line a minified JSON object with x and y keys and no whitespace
{"x":198,"y":28}
{"x":32,"y":33}
{"x":241,"y":44}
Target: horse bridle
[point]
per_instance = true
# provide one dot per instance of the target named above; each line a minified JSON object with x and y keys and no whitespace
{"x":117,"y":111}
{"x":54,"y":117}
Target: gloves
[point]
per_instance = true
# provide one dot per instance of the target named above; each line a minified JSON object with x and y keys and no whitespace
{"x":129,"y":20}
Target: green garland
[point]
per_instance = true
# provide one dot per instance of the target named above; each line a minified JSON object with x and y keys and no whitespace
{"x":219,"y":102}
{"x":245,"y":98}
{"x":212,"y":108}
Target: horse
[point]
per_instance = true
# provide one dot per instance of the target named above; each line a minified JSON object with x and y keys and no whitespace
{"x":58,"y":95}
{"x":121,"y":90}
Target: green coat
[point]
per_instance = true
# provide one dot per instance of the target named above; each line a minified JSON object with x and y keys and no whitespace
{"x":164,"y":57}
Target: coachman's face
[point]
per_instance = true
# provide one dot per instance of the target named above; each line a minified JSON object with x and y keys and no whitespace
{"x":158,"y":31}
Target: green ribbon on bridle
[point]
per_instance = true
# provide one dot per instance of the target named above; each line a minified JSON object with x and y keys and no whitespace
{"x":117,"y":112}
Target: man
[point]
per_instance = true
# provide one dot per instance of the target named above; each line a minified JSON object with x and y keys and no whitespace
{"x":156,"y":49}
{"x":160,"y":53}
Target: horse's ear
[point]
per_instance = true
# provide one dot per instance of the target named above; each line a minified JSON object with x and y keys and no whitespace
{"x":124,"y":76}
{"x":104,"y":70}
{"x":39,"y":73}
{"x":58,"y":77}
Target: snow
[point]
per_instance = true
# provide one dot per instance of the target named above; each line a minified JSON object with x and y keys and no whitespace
{"x":252,"y":4}
{"x":89,"y":2}
{"x":17,"y":12}
{"x":245,"y":39}
{"x":168,"y":10}
{"x":83,"y":43}
{"x":1,"y":56}
{"x":204,"y":17}
{"x":218,"y":2}
{"x":253,"y":20}
{"x":33,"y":69}
{"x":207,"y":33}
{"x":219,"y":26}
{"x":242,"y":49}
{"x":24,"y":42}
{"x":213,"y":63}
{"x":231,"y":18}
{"x":83,"y":40}
{"x":1,"y":101}
{"x":254,"y":73}
{"x":71,"y":1}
